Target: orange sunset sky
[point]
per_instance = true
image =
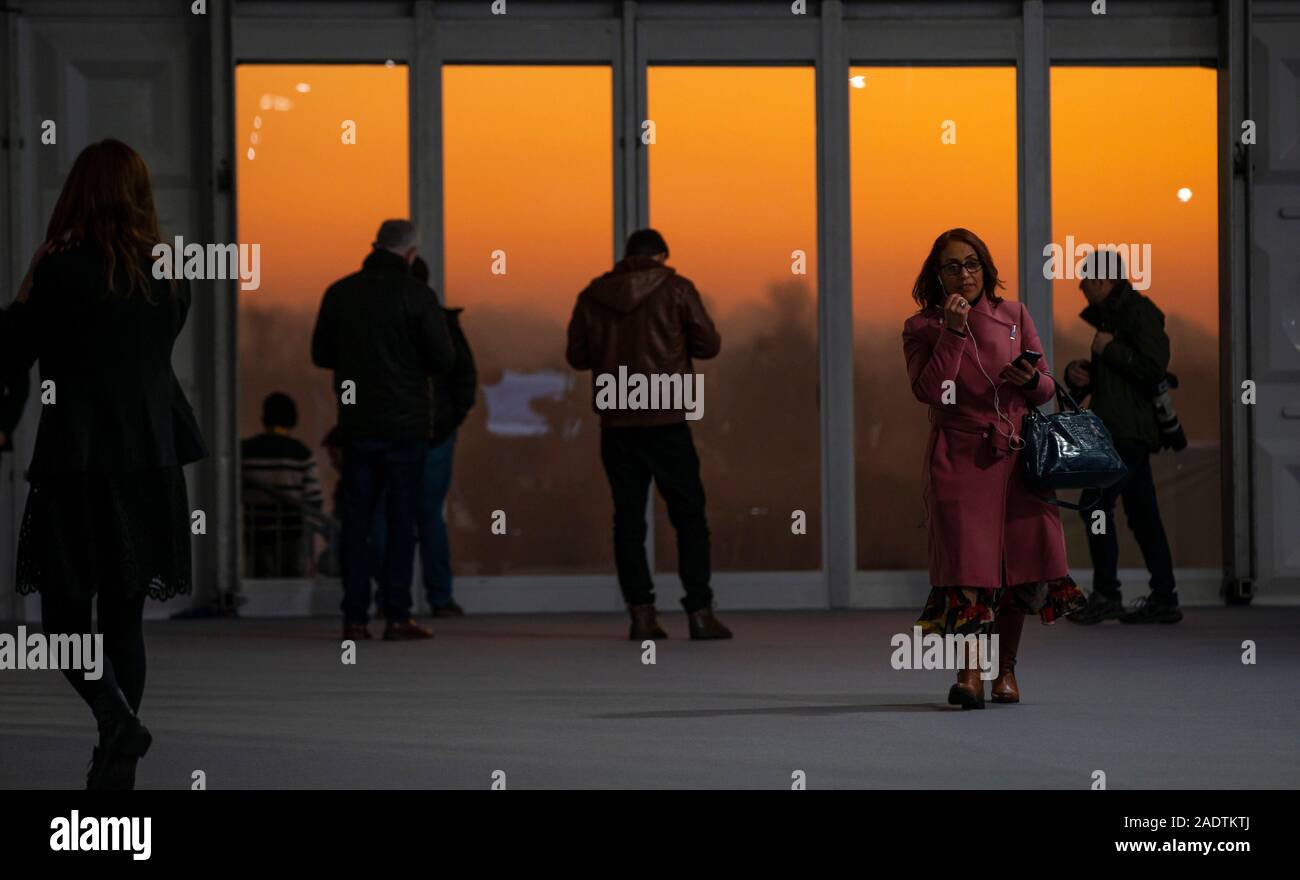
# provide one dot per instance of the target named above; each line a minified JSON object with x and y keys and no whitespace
{"x":529,"y":157}
{"x":529,"y":160}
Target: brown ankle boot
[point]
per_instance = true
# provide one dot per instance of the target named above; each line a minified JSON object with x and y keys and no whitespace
{"x":968,"y":692}
{"x":704,"y":625}
{"x":405,"y":631}
{"x":645,"y":623}
{"x":1007,"y":628}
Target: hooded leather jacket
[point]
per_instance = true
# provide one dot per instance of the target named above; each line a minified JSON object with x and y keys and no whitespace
{"x":645,"y":317}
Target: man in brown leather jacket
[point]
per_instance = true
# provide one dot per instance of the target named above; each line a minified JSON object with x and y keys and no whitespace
{"x":637,"y":328}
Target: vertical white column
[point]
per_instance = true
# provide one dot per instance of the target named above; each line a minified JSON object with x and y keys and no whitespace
{"x":1034,"y":165}
{"x":835,"y":310}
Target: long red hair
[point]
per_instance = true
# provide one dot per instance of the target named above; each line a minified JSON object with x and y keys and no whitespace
{"x":107,"y":202}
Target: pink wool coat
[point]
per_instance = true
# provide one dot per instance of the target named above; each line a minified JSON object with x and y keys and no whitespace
{"x":986,"y":528}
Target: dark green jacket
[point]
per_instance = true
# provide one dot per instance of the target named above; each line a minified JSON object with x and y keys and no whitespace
{"x":1125,"y":374}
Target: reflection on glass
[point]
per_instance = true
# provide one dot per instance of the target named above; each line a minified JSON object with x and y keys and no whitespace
{"x":1113,"y":184}
{"x":733,"y":190}
{"x":528,"y":181}
{"x":510,"y":402}
{"x":932,"y":148}
{"x":313,"y":203}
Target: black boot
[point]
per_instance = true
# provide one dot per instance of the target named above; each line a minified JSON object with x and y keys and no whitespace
{"x":123,"y":740}
{"x":1153,"y":609}
{"x":1101,"y":606}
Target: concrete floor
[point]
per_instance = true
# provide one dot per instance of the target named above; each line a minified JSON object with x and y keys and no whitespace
{"x":564,"y":702}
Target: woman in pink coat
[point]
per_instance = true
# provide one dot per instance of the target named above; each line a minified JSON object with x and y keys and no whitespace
{"x":997,"y":551}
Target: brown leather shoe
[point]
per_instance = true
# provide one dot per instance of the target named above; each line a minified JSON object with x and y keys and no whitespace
{"x":645,"y":624}
{"x":704,"y":625}
{"x":405,"y":631}
{"x":355,"y":632}
{"x":968,"y":692}
{"x":1007,"y":628}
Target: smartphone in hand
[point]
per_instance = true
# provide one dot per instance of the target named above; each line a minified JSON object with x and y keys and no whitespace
{"x":1028,"y":359}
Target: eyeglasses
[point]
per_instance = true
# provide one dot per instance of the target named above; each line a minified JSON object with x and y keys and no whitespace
{"x":953,"y":269}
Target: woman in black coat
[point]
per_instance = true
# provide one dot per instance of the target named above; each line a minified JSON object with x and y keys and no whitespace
{"x":107,"y":516}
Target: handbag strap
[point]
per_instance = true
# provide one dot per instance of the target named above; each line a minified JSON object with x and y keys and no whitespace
{"x":1062,"y":396}
{"x":1068,"y":505}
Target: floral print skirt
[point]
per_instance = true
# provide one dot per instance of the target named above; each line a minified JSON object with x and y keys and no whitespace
{"x":972,"y":610}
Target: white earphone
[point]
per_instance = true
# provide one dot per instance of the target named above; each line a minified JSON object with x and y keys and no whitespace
{"x":1012,"y":436}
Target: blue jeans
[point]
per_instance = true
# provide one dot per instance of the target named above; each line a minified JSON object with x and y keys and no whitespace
{"x":379,"y":473}
{"x":430,"y":526}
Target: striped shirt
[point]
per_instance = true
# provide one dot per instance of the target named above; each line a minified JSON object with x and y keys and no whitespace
{"x":279,"y":480}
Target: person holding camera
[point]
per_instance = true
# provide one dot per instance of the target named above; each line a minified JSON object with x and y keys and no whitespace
{"x":1124,"y":376}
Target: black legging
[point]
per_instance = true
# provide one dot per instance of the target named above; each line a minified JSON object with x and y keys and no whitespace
{"x":120,"y":624}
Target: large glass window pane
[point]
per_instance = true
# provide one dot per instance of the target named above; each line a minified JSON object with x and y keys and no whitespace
{"x":312,"y":196}
{"x":528,"y":183}
{"x":733,"y":188}
{"x":932,"y":148}
{"x":1134,"y":161}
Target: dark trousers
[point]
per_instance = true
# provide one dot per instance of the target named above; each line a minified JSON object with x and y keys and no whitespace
{"x":430,"y":528}
{"x":666,"y":454}
{"x":120,"y":625}
{"x":435,"y":548}
{"x":1138,"y":491}
{"x":375,"y":471}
